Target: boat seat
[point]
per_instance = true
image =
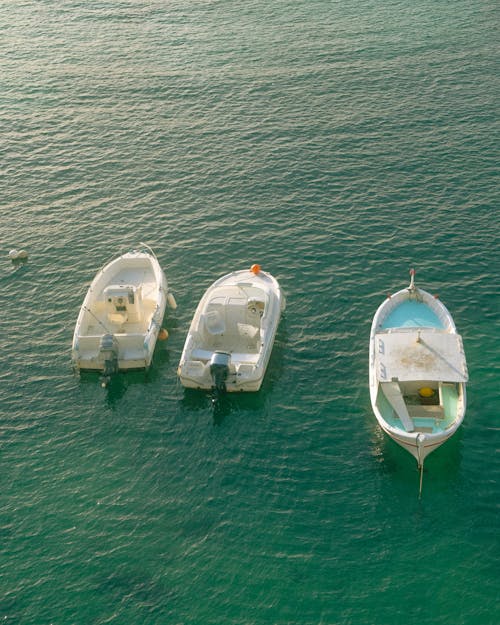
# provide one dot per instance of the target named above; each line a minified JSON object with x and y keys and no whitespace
{"x":245,"y":329}
{"x":249,"y":332}
{"x":213,"y":322}
{"x":118,"y":317}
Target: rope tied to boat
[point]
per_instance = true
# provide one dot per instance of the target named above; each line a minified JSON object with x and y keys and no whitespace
{"x":420,"y":440}
{"x":97,"y":319}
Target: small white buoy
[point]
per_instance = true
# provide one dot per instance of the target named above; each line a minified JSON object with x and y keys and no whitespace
{"x":171,"y":300}
{"x":18,"y":255}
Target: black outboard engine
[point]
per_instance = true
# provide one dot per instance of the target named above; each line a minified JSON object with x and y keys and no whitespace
{"x":108,"y":353}
{"x":219,"y":370}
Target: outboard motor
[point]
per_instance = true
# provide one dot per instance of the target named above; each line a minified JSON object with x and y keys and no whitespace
{"x":108,"y":352}
{"x":219,"y":370}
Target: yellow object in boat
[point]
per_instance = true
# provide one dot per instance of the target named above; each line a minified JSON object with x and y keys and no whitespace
{"x":425,"y":391}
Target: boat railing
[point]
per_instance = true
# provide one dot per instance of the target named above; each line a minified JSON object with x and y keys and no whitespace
{"x":127,"y":250}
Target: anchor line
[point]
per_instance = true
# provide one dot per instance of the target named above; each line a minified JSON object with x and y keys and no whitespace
{"x":420,"y":465}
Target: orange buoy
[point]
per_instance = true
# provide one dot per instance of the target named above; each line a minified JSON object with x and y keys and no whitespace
{"x":255,"y":269}
{"x":163,"y":334}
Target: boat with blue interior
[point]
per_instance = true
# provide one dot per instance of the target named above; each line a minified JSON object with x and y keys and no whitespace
{"x":417,"y":371}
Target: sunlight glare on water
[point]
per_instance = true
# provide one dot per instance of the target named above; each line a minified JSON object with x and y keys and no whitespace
{"x":335,"y":144}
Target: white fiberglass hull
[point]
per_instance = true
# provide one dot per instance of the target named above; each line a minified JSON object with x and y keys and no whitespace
{"x":417,"y":372}
{"x":236,"y":319}
{"x":126,"y":303}
{"x":419,"y":445}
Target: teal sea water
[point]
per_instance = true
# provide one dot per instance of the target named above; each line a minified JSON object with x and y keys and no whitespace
{"x":336,"y":143}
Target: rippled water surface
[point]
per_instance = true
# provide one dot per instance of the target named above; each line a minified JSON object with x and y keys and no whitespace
{"x":337,"y":144}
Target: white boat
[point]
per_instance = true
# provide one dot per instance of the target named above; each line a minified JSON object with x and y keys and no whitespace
{"x":417,"y":371}
{"x":231,"y":336}
{"x":121,"y":315}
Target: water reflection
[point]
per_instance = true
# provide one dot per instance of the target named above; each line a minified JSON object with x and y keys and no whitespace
{"x":117,"y":385}
{"x":115,"y":389}
{"x":18,"y":264}
{"x":221,"y":405}
{"x":442,"y":467}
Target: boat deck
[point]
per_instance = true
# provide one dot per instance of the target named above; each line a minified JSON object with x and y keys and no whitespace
{"x":102,"y":317}
{"x":417,"y":414}
{"x":426,"y":412}
{"x":204,"y":355}
{"x":137,"y":276}
{"x":427,"y":354}
{"x":97,"y":329}
{"x":230,"y":322}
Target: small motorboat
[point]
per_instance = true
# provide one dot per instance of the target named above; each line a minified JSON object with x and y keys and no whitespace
{"x":417,"y":371}
{"x":231,"y":336}
{"x":121,"y":315}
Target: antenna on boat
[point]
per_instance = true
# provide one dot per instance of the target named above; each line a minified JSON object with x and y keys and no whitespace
{"x":420,"y":460}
